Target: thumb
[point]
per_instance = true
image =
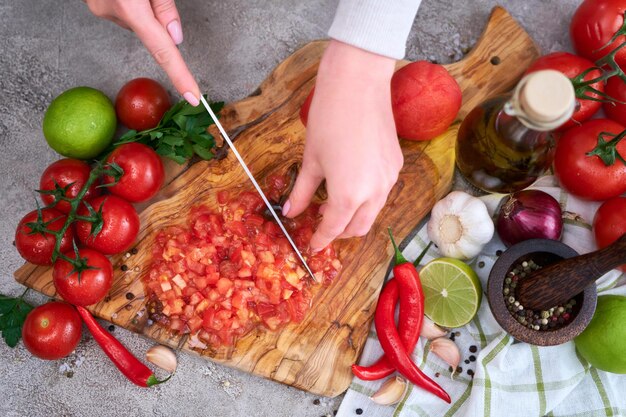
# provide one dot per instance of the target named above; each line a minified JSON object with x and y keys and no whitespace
{"x":306,"y":184}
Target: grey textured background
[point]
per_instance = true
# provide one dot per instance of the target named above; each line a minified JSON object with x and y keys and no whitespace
{"x":48,"y":46}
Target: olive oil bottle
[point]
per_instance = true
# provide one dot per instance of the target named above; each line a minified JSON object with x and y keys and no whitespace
{"x":505,"y":143}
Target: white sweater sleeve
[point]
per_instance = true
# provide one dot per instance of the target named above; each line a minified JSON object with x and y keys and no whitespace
{"x":379,"y":26}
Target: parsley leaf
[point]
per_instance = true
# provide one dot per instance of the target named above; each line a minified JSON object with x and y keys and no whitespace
{"x":13,"y":312}
{"x":181,"y":133}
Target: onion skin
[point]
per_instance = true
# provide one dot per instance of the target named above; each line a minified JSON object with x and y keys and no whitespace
{"x":529,"y":214}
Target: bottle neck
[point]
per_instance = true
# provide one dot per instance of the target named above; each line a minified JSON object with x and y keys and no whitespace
{"x":515,"y":107}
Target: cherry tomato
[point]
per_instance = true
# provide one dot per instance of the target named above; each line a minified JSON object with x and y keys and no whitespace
{"x":36,"y":247}
{"x":119,"y":227}
{"x":587,"y":176}
{"x":616,"y":88}
{"x":141,"y":103}
{"x":425,"y":100}
{"x":304,"y":110}
{"x":609,"y":223}
{"x":52,"y":331}
{"x":143,"y":172}
{"x":65,"y":172}
{"x":91,"y":285}
{"x":572,"y":66}
{"x":593,"y":25}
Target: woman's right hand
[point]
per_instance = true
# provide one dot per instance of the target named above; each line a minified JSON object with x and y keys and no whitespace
{"x":157,"y":24}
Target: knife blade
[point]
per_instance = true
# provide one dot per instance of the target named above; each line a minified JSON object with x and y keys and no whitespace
{"x":256,"y":185}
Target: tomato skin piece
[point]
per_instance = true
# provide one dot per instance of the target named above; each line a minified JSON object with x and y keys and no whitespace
{"x":586,"y":176}
{"x":616,"y":88}
{"x":120,"y":225}
{"x":52,"y":331}
{"x":37,"y":248}
{"x":609,"y":223}
{"x":572,"y":66}
{"x":141,"y":103}
{"x":306,"y":106}
{"x":425,"y":100}
{"x":93,"y":284}
{"x":65,"y":172}
{"x":144,"y":173}
{"x":593,"y":25}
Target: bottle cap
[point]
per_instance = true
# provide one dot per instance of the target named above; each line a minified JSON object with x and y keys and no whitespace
{"x":543,"y":100}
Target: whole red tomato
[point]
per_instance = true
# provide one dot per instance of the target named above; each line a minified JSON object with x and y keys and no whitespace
{"x":587,"y":176}
{"x":593,"y":25}
{"x":141,"y":103}
{"x":304,"y":110}
{"x":65,"y":172}
{"x":120,"y":225}
{"x":425,"y":100}
{"x":143,"y":172}
{"x":572,"y":66}
{"x":609,"y":223}
{"x":52,"y":331}
{"x":616,"y":88}
{"x":35,"y":245}
{"x":88,"y":287}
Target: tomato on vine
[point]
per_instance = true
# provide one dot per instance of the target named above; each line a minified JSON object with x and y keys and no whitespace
{"x":65,"y":178}
{"x":82,"y":277}
{"x":589,"y":160}
{"x":108,"y":224}
{"x":32,"y":239}
{"x":143,"y":172}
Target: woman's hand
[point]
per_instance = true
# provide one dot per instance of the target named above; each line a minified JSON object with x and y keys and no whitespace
{"x":157,"y":25}
{"x":351,"y":142}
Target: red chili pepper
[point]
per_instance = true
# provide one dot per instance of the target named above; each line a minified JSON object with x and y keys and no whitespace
{"x":392,"y":345}
{"x":131,"y":367}
{"x":411,"y":316}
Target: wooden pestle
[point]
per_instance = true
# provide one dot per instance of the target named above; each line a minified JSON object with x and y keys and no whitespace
{"x":559,"y":282}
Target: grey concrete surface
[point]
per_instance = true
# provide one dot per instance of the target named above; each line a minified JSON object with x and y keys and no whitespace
{"x":47,"y":46}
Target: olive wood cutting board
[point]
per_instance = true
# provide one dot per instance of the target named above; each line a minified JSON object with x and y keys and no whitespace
{"x":316,"y":354}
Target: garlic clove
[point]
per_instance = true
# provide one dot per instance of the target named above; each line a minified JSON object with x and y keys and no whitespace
{"x":163,"y":357}
{"x":391,"y":392}
{"x":447,"y":350}
{"x":430,"y":330}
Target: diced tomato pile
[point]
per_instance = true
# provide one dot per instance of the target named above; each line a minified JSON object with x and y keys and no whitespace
{"x":231,"y":270}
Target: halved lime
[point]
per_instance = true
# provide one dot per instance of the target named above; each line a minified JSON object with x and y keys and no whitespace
{"x":452,"y":292}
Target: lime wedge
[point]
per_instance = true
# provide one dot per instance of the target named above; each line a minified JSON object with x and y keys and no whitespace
{"x":452,"y":292}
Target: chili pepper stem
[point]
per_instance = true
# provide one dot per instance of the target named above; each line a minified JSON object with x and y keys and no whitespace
{"x":422,"y":254}
{"x":152,"y":381}
{"x":399,"y":258}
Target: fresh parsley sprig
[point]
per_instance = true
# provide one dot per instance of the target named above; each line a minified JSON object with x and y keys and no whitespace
{"x":181,"y":133}
{"x":13,"y":312}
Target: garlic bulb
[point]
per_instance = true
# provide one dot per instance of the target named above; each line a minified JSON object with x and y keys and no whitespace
{"x":460,"y":225}
{"x":390,"y":392}
{"x":163,"y":357}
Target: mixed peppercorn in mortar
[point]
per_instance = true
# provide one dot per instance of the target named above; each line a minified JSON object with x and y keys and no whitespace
{"x":232,"y":269}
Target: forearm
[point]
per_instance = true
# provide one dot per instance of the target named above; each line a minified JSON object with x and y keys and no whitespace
{"x":378,"y":26}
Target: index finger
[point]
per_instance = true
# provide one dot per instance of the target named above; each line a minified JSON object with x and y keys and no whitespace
{"x":162,"y":48}
{"x":333,"y":224}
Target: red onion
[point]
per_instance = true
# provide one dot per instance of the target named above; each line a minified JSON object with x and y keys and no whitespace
{"x":529,"y":214}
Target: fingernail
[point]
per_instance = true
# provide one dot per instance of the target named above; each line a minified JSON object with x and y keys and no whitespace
{"x":191,"y":99}
{"x":175,"y":31}
{"x":286,"y":208}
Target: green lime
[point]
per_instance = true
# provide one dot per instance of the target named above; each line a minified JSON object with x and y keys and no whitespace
{"x":80,"y":123}
{"x":603,"y":342}
{"x":452,"y":292}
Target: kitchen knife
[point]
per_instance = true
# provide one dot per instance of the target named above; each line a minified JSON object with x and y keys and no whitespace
{"x":256,"y":185}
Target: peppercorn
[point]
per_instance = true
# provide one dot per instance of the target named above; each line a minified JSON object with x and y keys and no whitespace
{"x":124,"y":267}
{"x":472,"y":358}
{"x":470,"y":373}
{"x":473,"y":349}
{"x":134,"y":251}
{"x":359,"y":411}
{"x":316,"y":401}
{"x":467,"y":361}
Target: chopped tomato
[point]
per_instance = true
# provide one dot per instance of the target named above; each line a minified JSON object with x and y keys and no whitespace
{"x":231,"y":270}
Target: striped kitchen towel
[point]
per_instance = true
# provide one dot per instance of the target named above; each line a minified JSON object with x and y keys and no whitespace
{"x":509,"y":378}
